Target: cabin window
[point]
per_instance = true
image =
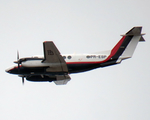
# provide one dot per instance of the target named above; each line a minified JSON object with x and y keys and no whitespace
{"x":64,"y":57}
{"x":88,"y":56}
{"x":69,"y":57}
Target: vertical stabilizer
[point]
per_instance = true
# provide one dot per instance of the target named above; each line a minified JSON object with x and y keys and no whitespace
{"x":125,"y":47}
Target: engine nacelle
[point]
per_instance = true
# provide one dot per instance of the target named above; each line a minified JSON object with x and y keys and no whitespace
{"x":38,"y":63}
{"x":58,"y":79}
{"x":39,"y":78}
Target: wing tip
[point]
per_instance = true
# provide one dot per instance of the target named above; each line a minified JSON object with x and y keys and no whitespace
{"x":47,"y":41}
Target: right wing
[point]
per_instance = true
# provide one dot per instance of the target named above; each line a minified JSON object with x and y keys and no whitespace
{"x":62,"y":79}
{"x":52,"y":55}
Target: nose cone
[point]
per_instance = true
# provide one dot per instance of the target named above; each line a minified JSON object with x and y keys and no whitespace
{"x":13,"y":70}
{"x":9,"y":70}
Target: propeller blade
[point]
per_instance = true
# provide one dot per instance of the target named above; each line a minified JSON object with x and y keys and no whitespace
{"x":17,"y":61}
{"x":23,"y":80}
{"x":18,"y":67}
{"x":17,"y":55}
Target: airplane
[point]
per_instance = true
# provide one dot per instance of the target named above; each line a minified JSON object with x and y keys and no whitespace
{"x":57,"y":68}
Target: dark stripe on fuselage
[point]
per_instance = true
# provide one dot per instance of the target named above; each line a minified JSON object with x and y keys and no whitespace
{"x":75,"y":68}
{"x":122,"y":47}
{"x":37,"y":71}
{"x":118,"y":50}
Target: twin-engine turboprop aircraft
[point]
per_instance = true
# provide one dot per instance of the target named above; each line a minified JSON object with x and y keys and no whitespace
{"x":56,"y":67}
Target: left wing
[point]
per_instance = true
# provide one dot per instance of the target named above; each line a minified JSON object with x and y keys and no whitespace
{"x":52,"y":55}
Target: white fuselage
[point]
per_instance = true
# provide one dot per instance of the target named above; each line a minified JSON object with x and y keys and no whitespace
{"x":69,"y":58}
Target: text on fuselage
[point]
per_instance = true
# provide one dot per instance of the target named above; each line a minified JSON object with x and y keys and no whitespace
{"x":96,"y":56}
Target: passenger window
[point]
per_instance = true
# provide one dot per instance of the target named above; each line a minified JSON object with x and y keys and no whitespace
{"x":88,"y":56}
{"x":64,"y":57}
{"x":69,"y":57}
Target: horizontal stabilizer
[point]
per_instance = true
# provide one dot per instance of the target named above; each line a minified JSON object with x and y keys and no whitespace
{"x":135,"y":31}
{"x":142,"y":39}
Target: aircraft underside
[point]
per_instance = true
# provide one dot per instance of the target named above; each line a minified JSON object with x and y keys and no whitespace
{"x":39,"y":74}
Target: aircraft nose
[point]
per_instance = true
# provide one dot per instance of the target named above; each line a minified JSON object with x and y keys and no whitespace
{"x":7,"y":70}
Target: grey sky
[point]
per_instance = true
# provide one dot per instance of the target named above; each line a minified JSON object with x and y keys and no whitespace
{"x":118,"y":92}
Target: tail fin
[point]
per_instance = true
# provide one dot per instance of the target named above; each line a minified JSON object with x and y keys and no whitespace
{"x":125,"y":47}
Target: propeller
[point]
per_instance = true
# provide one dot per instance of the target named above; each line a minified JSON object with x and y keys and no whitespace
{"x":23,"y":80}
{"x":18,"y":60}
{"x":17,"y":55}
{"x":22,"y":76}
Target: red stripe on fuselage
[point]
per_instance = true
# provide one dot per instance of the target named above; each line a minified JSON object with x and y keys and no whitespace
{"x":113,"y":52}
{"x":115,"y":49}
{"x":15,"y":67}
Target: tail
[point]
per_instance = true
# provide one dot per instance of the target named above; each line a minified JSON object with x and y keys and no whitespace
{"x":125,"y":47}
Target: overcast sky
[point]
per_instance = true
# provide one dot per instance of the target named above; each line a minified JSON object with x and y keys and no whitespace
{"x":120,"y":92}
